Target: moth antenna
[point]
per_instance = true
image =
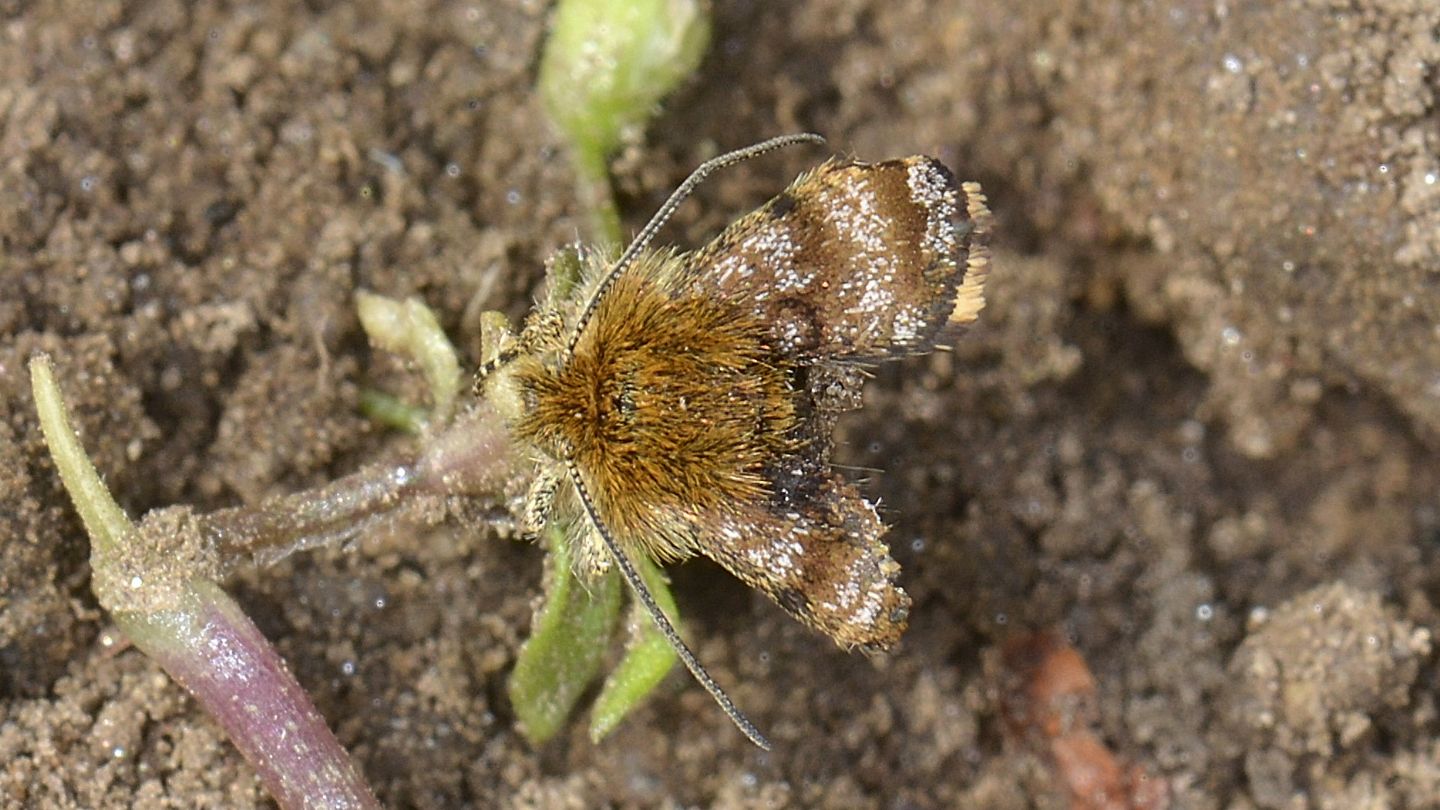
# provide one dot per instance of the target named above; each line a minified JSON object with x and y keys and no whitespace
{"x":643,"y":239}
{"x":658,"y":616}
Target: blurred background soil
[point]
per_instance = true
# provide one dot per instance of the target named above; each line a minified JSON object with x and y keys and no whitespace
{"x":1194,"y":434}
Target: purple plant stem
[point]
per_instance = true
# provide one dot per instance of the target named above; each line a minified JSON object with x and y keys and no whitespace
{"x":208,"y":645}
{"x":470,"y":457}
{"x":153,"y":580}
{"x":198,"y":634}
{"x":282,"y":525}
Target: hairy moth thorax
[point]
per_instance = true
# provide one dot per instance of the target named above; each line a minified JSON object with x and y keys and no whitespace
{"x":671,"y":402}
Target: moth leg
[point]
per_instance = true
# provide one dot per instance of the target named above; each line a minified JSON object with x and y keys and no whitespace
{"x":589,"y":558}
{"x":544,"y":328}
{"x":540,"y":501}
{"x":587,"y":549}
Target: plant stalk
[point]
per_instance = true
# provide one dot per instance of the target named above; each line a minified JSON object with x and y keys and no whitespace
{"x":196,"y":632}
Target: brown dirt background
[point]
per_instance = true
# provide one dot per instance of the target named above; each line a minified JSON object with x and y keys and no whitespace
{"x":1195,"y":430}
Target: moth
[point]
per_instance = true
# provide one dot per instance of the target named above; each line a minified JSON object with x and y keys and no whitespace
{"x":682,"y":403}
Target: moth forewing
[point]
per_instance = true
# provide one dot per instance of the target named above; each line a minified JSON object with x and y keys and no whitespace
{"x":854,"y":261}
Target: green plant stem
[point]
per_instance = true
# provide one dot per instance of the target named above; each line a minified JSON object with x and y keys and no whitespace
{"x":597,"y":197}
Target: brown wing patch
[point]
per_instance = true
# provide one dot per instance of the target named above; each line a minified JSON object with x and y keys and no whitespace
{"x":853,"y":261}
{"x":819,"y":555}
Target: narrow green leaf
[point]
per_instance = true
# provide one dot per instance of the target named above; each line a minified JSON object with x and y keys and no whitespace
{"x":648,"y":657}
{"x":391,"y":411}
{"x":566,"y":647}
{"x":410,"y":328}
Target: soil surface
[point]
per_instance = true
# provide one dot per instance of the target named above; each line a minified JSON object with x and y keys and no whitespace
{"x":1194,"y":432}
